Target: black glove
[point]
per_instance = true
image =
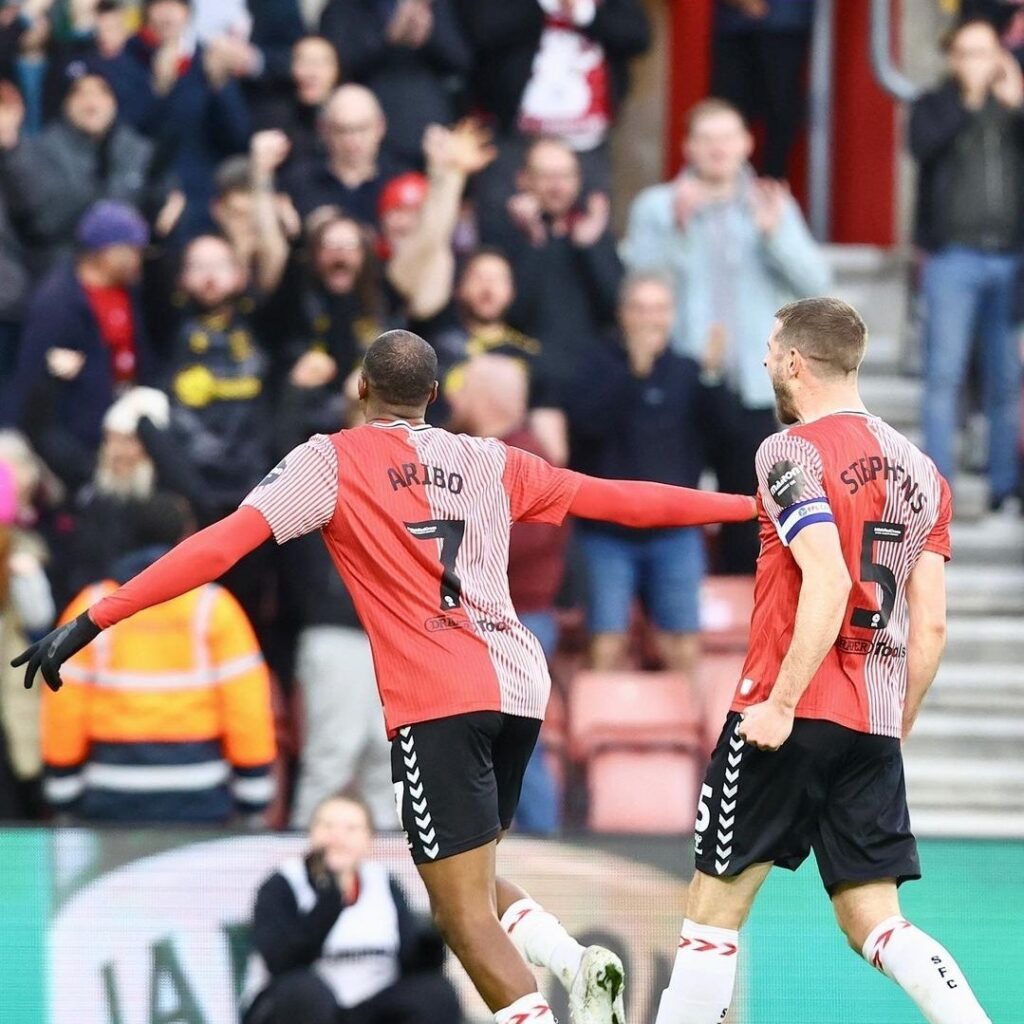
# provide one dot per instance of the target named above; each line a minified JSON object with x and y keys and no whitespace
{"x":54,"y":649}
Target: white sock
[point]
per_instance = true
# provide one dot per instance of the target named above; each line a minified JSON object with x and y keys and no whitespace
{"x":542,"y":941}
{"x":531,"y":1009}
{"x":703,"y":976}
{"x":925,"y":971}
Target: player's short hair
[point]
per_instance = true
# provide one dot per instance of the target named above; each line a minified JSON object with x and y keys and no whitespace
{"x":710,"y":107}
{"x":826,"y":330}
{"x":401,"y":369}
{"x":540,"y":141}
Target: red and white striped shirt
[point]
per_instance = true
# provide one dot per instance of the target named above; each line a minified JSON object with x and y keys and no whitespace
{"x":890,"y":504}
{"x":417,"y":522}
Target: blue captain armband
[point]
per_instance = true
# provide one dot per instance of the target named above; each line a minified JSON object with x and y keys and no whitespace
{"x":803,"y":513}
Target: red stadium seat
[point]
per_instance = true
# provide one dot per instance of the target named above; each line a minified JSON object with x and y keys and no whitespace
{"x":726,"y":604}
{"x":651,"y":792}
{"x":717,"y":678}
{"x":635,"y":709}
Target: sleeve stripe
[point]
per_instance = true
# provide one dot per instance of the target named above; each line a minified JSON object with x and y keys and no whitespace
{"x":789,"y":534}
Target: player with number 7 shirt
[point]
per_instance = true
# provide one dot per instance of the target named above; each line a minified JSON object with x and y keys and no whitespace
{"x":417,"y":522}
{"x":846,"y":635}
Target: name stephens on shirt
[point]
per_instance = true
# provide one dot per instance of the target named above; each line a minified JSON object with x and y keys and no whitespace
{"x":870,"y":468}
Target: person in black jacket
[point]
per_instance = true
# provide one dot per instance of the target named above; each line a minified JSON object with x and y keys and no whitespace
{"x":411,"y":53}
{"x":553,"y":67}
{"x":335,"y":940}
{"x":639,"y":411}
{"x":968,"y":138}
{"x":567,"y":269}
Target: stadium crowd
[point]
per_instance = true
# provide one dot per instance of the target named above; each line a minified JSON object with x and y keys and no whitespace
{"x":208,"y":209}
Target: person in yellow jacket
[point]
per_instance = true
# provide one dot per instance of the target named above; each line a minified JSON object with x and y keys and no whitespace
{"x":168,"y":717}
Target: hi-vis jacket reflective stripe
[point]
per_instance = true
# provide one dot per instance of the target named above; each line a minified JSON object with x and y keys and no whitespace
{"x":174,"y":700}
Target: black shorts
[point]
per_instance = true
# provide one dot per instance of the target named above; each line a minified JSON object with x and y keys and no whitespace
{"x":828,"y":788}
{"x":458,"y":779}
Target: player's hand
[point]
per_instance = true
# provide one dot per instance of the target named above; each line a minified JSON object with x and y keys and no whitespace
{"x":1009,"y":84}
{"x":768,"y":201}
{"x":766,"y":725}
{"x":47,"y":655}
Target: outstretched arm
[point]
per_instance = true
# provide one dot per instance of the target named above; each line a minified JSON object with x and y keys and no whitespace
{"x":198,"y":559}
{"x":641,"y":504}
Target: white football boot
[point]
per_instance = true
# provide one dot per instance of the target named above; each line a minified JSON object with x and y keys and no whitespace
{"x":595,"y":996}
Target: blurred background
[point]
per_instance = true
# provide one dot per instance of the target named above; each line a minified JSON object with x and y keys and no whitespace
{"x":591,"y":208}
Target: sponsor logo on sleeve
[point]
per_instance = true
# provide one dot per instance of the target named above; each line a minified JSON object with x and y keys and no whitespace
{"x":273,"y":474}
{"x":786,"y":483}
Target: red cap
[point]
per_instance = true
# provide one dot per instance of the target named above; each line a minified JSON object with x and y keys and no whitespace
{"x":408,"y":189}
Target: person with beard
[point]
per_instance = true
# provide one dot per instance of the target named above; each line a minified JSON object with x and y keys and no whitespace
{"x":218,"y":373}
{"x":473,"y":324}
{"x":295,"y":109}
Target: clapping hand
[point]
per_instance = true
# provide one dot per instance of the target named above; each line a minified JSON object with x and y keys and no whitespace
{"x":768,"y":201}
{"x":589,"y":226}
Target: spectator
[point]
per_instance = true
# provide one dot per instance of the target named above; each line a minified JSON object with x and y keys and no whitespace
{"x":218,"y":375}
{"x":14,"y":291}
{"x":353,"y":170}
{"x":103,"y":508}
{"x":419,"y":216}
{"x":97,"y":45}
{"x":639,"y":411}
{"x":83,"y":340}
{"x":26,"y":44}
{"x":335,"y":938}
{"x":255,"y":220}
{"x":26,"y":612}
{"x":50,"y":180}
{"x":759,"y":65}
{"x":554,"y":68}
{"x":473,"y":324}
{"x":411,"y":53}
{"x":736,"y":248}
{"x":344,"y":741}
{"x":331,"y":308}
{"x":966,"y":136}
{"x":170,"y":721}
{"x":567,"y":268}
{"x":491,"y":401}
{"x":193,"y":108}
{"x":251,"y":38}
{"x":295,"y":109}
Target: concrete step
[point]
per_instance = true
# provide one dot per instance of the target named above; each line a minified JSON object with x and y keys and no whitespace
{"x":991,"y":689}
{"x":985,"y":589}
{"x":960,"y":734}
{"x":986,"y":640}
{"x":896,"y":399}
{"x":991,"y":541}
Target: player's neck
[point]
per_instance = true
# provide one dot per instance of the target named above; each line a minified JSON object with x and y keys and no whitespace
{"x":817,"y":404}
{"x":389,"y":414}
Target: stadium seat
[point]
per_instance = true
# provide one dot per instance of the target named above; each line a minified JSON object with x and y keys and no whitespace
{"x":726,"y":603}
{"x":635,"y":709}
{"x":717,"y":678}
{"x":643,"y":791}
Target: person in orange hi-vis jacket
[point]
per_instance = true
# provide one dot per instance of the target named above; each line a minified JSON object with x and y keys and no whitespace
{"x":168,"y":717}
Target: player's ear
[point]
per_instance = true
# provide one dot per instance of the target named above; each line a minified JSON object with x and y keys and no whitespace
{"x":362,"y":387}
{"x":434,"y":391}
